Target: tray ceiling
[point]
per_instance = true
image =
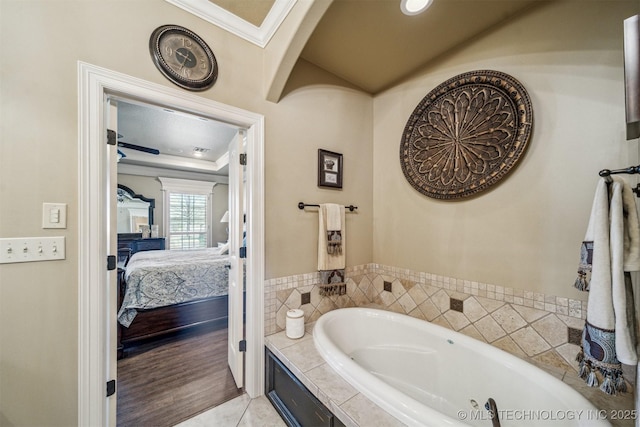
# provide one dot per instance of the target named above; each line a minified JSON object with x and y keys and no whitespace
{"x":370,"y":44}
{"x":373,"y":45}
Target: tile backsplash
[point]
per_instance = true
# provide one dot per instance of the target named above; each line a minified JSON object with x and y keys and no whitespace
{"x":528,"y":324}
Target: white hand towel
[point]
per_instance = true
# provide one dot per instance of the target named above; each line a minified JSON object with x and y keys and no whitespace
{"x":625,"y":257}
{"x":336,"y":259}
{"x":334,"y":216}
{"x":610,"y":249}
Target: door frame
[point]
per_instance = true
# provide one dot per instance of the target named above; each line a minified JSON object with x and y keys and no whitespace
{"x":95,"y":84}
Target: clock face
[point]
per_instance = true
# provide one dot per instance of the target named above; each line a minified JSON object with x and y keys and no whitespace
{"x":183,"y":57}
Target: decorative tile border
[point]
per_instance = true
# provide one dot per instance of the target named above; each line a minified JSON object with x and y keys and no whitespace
{"x":528,"y":324}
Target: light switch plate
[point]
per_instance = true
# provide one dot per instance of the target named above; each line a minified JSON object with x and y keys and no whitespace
{"x":30,"y":249}
{"x":54,"y":215}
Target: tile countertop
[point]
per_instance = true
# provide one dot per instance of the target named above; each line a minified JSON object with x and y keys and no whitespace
{"x":354,"y":409}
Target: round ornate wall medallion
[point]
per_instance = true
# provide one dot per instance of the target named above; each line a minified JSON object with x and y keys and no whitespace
{"x":466,"y":134}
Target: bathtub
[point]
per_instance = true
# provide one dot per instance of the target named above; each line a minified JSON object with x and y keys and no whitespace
{"x":427,"y":375}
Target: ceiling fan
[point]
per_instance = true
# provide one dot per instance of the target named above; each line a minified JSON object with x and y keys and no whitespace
{"x":123,"y":144}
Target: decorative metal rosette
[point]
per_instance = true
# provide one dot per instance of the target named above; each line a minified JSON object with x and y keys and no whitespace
{"x":466,"y":134}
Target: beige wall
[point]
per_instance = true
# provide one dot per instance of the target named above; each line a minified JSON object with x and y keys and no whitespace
{"x":42,"y":41}
{"x":220,"y":204}
{"x":525,"y":232}
{"x":339,"y":121}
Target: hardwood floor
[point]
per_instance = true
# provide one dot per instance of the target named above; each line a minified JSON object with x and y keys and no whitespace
{"x":168,"y":382}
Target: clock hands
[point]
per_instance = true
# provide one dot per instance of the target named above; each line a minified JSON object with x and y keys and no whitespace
{"x":183,"y":55}
{"x":189,"y":58}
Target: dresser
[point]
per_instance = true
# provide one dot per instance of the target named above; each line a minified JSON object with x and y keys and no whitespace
{"x":146,"y":244}
{"x":129,"y":244}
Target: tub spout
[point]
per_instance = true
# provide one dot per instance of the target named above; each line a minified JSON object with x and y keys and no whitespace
{"x":493,"y":411}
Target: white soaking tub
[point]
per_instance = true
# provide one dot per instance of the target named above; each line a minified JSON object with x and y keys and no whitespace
{"x":427,"y":375}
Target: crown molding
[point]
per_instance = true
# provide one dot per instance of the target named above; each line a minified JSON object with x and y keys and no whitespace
{"x":223,"y":18}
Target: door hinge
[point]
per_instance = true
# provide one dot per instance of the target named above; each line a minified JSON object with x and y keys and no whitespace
{"x":243,"y":159}
{"x":111,"y":387}
{"x":243,"y":252}
{"x":111,"y":137}
{"x":111,"y":262}
{"x":243,"y":345}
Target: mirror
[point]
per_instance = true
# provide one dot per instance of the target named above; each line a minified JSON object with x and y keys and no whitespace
{"x":632,"y":75}
{"x":134,"y":210}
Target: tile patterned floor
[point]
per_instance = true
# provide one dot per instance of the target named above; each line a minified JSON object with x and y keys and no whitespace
{"x":239,"y":412}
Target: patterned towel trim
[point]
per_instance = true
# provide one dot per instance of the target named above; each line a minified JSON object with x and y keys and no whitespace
{"x":334,"y":242}
{"x":598,"y":362}
{"x":584,"y":268}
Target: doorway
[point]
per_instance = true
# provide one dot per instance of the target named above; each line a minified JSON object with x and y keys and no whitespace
{"x":95,"y":283}
{"x":176,"y":165}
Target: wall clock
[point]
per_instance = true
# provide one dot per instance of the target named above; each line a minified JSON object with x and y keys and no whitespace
{"x":183,"y":57}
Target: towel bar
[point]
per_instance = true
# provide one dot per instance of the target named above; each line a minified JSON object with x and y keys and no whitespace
{"x":304,"y":205}
{"x":631,"y":170}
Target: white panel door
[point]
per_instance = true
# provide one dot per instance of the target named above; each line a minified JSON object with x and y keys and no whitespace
{"x":236,"y":301}
{"x":112,"y":279}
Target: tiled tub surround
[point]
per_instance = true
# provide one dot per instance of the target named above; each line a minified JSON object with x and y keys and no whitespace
{"x":354,"y":409}
{"x":543,"y":329}
{"x":528,"y":324}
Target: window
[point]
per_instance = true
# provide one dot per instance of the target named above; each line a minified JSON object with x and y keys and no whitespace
{"x":187,"y":213}
{"x":188,"y":223}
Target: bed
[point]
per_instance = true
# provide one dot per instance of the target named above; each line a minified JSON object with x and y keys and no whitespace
{"x":163,"y":291}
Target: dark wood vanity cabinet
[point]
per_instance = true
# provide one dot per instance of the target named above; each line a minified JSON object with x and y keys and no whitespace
{"x":295,"y":404}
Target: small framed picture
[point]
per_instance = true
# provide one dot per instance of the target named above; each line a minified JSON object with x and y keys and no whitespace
{"x":329,"y":169}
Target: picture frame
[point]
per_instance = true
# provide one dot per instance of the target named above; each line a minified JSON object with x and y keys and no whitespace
{"x":329,"y":169}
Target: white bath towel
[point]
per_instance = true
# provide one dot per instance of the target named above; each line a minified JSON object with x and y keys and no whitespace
{"x":336,"y":259}
{"x":625,"y":257}
{"x":333,"y":224}
{"x":610,"y":248}
{"x":334,"y":216}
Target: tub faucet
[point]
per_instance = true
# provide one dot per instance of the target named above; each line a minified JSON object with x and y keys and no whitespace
{"x":493,"y":411}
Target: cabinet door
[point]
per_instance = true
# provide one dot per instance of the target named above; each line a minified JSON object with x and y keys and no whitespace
{"x":297,"y":405}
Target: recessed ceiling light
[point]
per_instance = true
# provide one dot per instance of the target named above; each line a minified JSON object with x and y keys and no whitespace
{"x":414,"y":7}
{"x":199,"y":151}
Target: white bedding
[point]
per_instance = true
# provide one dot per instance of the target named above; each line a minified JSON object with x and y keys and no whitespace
{"x":161,"y":278}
